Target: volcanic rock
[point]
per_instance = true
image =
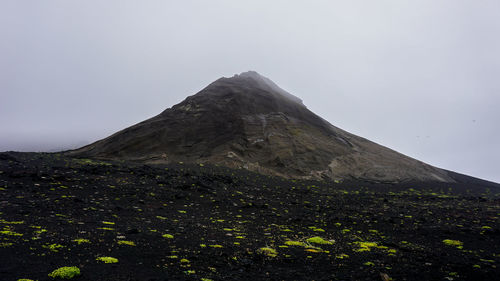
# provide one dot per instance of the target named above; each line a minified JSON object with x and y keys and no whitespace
{"x":247,"y":121}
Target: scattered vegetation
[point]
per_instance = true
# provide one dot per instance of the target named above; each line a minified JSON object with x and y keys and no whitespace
{"x":10,"y":233}
{"x":454,"y":243}
{"x":365,"y":246}
{"x":295,"y":243}
{"x":66,"y":272}
{"x":124,"y":242}
{"x":53,"y":247}
{"x":228,"y":214}
{"x":270,"y":252}
{"x":81,"y":241}
{"x":107,"y":259}
{"x":319,"y":240}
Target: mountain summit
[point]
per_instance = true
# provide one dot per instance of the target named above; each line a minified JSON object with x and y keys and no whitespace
{"x":248,"y":121}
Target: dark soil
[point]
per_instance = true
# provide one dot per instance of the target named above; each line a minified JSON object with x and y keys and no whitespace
{"x":217,"y":219}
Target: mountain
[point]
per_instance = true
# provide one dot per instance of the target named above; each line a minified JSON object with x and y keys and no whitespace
{"x":247,"y":121}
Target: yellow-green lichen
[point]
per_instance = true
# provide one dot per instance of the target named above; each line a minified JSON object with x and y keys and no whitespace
{"x":342,"y":256}
{"x":80,"y":240}
{"x":454,"y":243}
{"x":295,"y":243}
{"x":317,"y":229}
{"x":11,"y":222}
{"x":66,"y":272}
{"x":365,"y":246}
{"x":106,"y":228}
{"x":53,"y":247}
{"x":391,"y":251}
{"x":124,"y":242}
{"x":270,"y":252}
{"x":40,"y":231}
{"x":319,"y":240}
{"x":10,"y":233}
{"x":314,"y":250}
{"x":107,"y":259}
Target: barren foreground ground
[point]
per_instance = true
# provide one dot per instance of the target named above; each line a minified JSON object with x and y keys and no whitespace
{"x":195,"y":222}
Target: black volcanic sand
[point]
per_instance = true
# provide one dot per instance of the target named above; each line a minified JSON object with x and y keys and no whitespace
{"x":194,"y":222}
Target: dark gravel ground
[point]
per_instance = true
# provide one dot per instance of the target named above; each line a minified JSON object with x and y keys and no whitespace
{"x":195,"y":222}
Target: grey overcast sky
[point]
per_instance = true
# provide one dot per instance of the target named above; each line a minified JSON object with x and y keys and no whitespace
{"x":421,"y":77}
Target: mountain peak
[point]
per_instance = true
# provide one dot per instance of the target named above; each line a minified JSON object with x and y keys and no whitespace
{"x":253,"y":79}
{"x":247,"y":121}
{"x":251,"y":73}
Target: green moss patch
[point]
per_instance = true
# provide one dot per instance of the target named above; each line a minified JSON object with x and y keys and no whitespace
{"x":365,"y":246}
{"x":266,"y":251}
{"x":319,"y":240}
{"x":66,"y":272}
{"x":10,"y":233}
{"x":295,"y":243}
{"x":124,"y":242}
{"x":107,"y":259}
{"x":53,"y":247}
{"x":454,"y":243}
{"x":80,"y":240}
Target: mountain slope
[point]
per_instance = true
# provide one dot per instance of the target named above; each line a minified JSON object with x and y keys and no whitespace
{"x":248,"y":121}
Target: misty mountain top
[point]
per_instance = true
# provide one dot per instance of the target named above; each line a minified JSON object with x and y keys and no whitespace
{"x":247,"y":121}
